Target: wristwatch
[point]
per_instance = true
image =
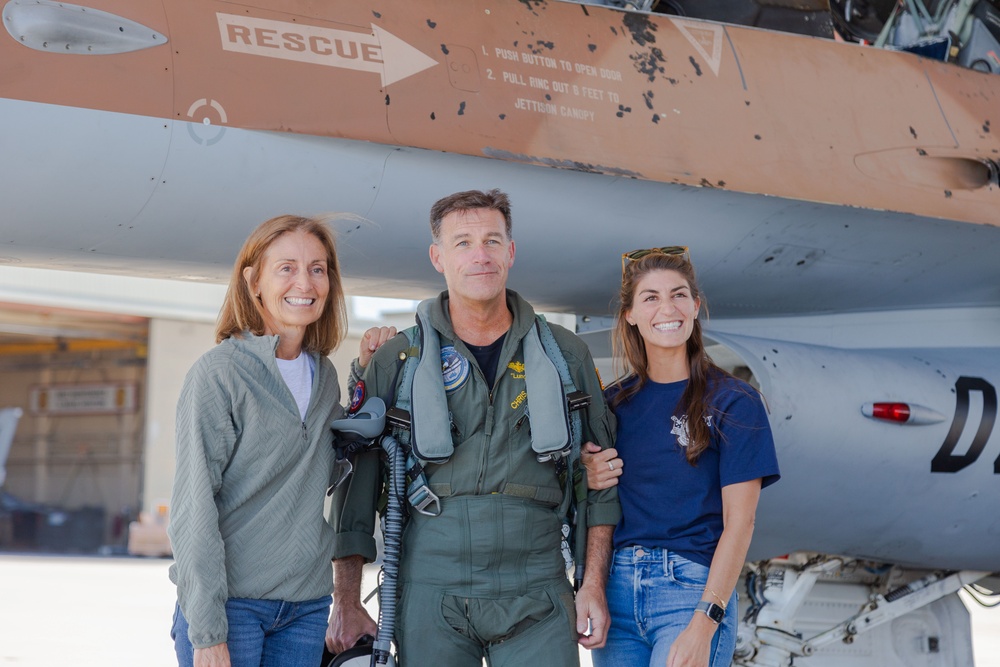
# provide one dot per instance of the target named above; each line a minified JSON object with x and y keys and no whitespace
{"x":712,"y":610}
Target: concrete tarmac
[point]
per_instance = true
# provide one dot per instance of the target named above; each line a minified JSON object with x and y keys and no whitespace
{"x":101,"y":612}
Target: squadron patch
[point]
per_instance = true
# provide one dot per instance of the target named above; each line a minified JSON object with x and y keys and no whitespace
{"x":454,"y":369}
{"x":357,"y":397}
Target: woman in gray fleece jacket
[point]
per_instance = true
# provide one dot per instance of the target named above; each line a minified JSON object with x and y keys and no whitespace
{"x":254,"y":458}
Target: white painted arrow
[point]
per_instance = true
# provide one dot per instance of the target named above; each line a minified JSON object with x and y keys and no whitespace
{"x":401,"y":59}
{"x":381,"y":51}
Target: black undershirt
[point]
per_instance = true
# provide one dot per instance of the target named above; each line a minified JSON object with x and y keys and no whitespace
{"x":488,"y":357}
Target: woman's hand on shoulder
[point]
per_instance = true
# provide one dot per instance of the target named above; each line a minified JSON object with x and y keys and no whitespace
{"x":603,"y":466}
{"x":372,"y":340}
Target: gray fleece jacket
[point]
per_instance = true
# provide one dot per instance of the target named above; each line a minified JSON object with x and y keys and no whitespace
{"x":247,"y":507}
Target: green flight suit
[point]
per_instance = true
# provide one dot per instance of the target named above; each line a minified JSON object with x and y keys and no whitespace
{"x":486,"y":578}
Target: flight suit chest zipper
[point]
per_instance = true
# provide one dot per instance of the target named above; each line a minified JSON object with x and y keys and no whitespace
{"x":488,"y":434}
{"x":487,"y":431}
{"x":490,"y":418}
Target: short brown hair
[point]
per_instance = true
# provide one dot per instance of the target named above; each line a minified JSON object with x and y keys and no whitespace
{"x":495,"y":200}
{"x":242,"y":312}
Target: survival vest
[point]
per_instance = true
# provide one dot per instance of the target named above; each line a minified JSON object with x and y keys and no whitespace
{"x":421,"y":422}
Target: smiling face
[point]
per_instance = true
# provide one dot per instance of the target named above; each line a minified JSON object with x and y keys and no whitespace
{"x":663,"y":310}
{"x":474,"y":254}
{"x":292,"y":283}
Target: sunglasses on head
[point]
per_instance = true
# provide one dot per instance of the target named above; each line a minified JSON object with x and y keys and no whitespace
{"x":636,"y":255}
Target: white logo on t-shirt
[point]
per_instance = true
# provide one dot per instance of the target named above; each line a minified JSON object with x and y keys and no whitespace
{"x":680,"y":428}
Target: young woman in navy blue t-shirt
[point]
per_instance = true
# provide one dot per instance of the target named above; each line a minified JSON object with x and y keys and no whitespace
{"x":692,"y":453}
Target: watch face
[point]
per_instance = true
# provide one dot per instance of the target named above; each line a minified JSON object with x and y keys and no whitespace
{"x":712,"y":610}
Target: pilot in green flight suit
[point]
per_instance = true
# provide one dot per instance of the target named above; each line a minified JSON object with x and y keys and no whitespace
{"x":485,"y":577}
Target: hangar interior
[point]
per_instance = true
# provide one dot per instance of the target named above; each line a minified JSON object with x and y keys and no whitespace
{"x":74,"y":461}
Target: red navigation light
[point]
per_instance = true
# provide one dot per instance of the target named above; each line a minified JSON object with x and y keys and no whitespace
{"x":893,"y":412}
{"x":911,"y":414}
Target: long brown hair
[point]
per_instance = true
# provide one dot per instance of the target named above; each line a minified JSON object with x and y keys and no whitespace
{"x":242,"y":312}
{"x":631,"y":362}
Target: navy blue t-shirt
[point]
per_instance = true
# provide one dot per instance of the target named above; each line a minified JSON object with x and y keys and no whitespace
{"x":665,"y":501}
{"x":488,"y":358}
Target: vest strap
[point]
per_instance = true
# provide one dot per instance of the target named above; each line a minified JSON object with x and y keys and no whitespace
{"x":430,"y":438}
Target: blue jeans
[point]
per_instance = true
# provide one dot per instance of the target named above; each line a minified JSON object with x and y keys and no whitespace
{"x":265,"y":633}
{"x":652,"y":594}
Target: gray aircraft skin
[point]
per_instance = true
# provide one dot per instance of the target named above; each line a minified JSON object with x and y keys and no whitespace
{"x":845,"y":231}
